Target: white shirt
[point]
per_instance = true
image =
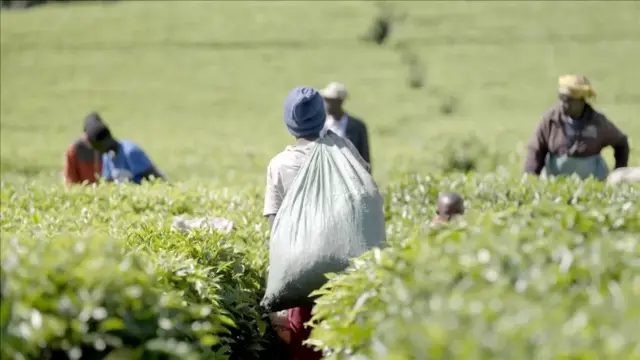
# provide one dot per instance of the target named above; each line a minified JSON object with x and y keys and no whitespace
{"x":339,"y":127}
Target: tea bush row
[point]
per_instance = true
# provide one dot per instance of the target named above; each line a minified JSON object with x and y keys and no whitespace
{"x":96,"y":271}
{"x":534,"y":270}
{"x":89,"y":270}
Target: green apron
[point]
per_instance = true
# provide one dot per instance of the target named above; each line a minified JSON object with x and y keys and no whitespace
{"x":584,"y":167}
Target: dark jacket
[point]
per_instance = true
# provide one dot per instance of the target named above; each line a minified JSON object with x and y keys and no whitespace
{"x":596,"y":133}
{"x":357,"y":133}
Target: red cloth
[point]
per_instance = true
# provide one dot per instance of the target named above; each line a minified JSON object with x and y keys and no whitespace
{"x":299,"y":333}
{"x":75,"y":170}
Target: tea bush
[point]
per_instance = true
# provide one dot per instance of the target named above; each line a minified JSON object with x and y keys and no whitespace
{"x":534,"y":270}
{"x":82,"y":298}
{"x":69,"y":254}
{"x":545,"y":268}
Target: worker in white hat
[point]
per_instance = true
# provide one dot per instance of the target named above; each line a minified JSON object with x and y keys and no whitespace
{"x":344,"y":124}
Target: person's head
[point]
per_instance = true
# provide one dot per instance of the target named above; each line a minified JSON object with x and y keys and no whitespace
{"x":97,"y":133}
{"x":334,"y":96}
{"x":450,"y":204}
{"x":304,"y":112}
{"x":574,"y":91}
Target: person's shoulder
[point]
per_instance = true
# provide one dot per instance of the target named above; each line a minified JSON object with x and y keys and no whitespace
{"x":79,"y":145}
{"x":605,"y":125}
{"x":276,"y":163}
{"x":79,"y":142}
{"x":129,"y":146}
{"x":71,"y":148}
{"x":598,"y":116}
{"x":550,"y":117}
{"x":291,"y":156}
{"x":552,"y":114}
{"x":356,"y":121}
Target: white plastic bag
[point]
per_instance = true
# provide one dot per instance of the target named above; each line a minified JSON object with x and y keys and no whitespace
{"x":217,"y":224}
{"x":624,"y":175}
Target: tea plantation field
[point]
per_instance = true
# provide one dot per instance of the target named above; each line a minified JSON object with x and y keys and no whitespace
{"x":200,"y":85}
{"x":534,"y":270}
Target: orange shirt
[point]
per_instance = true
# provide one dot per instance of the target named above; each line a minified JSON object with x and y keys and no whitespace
{"x":82,"y":163}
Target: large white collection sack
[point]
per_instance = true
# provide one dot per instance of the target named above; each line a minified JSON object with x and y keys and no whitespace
{"x":624,"y":175}
{"x":332,"y":213}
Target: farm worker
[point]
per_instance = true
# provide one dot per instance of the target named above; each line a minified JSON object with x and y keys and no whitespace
{"x":450,"y":205}
{"x":304,"y":116}
{"x":569,"y":138}
{"x":82,"y":163}
{"x":342,"y":123}
{"x":122,"y":160}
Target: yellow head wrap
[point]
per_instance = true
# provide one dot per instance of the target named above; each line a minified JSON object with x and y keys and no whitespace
{"x":576,"y":86}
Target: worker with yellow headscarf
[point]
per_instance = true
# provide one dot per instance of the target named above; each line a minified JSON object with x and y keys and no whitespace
{"x":569,"y":138}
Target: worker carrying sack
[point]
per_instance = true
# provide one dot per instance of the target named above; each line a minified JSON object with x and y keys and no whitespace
{"x":331,"y":213}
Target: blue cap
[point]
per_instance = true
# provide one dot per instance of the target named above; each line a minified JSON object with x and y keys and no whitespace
{"x":304,"y":112}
